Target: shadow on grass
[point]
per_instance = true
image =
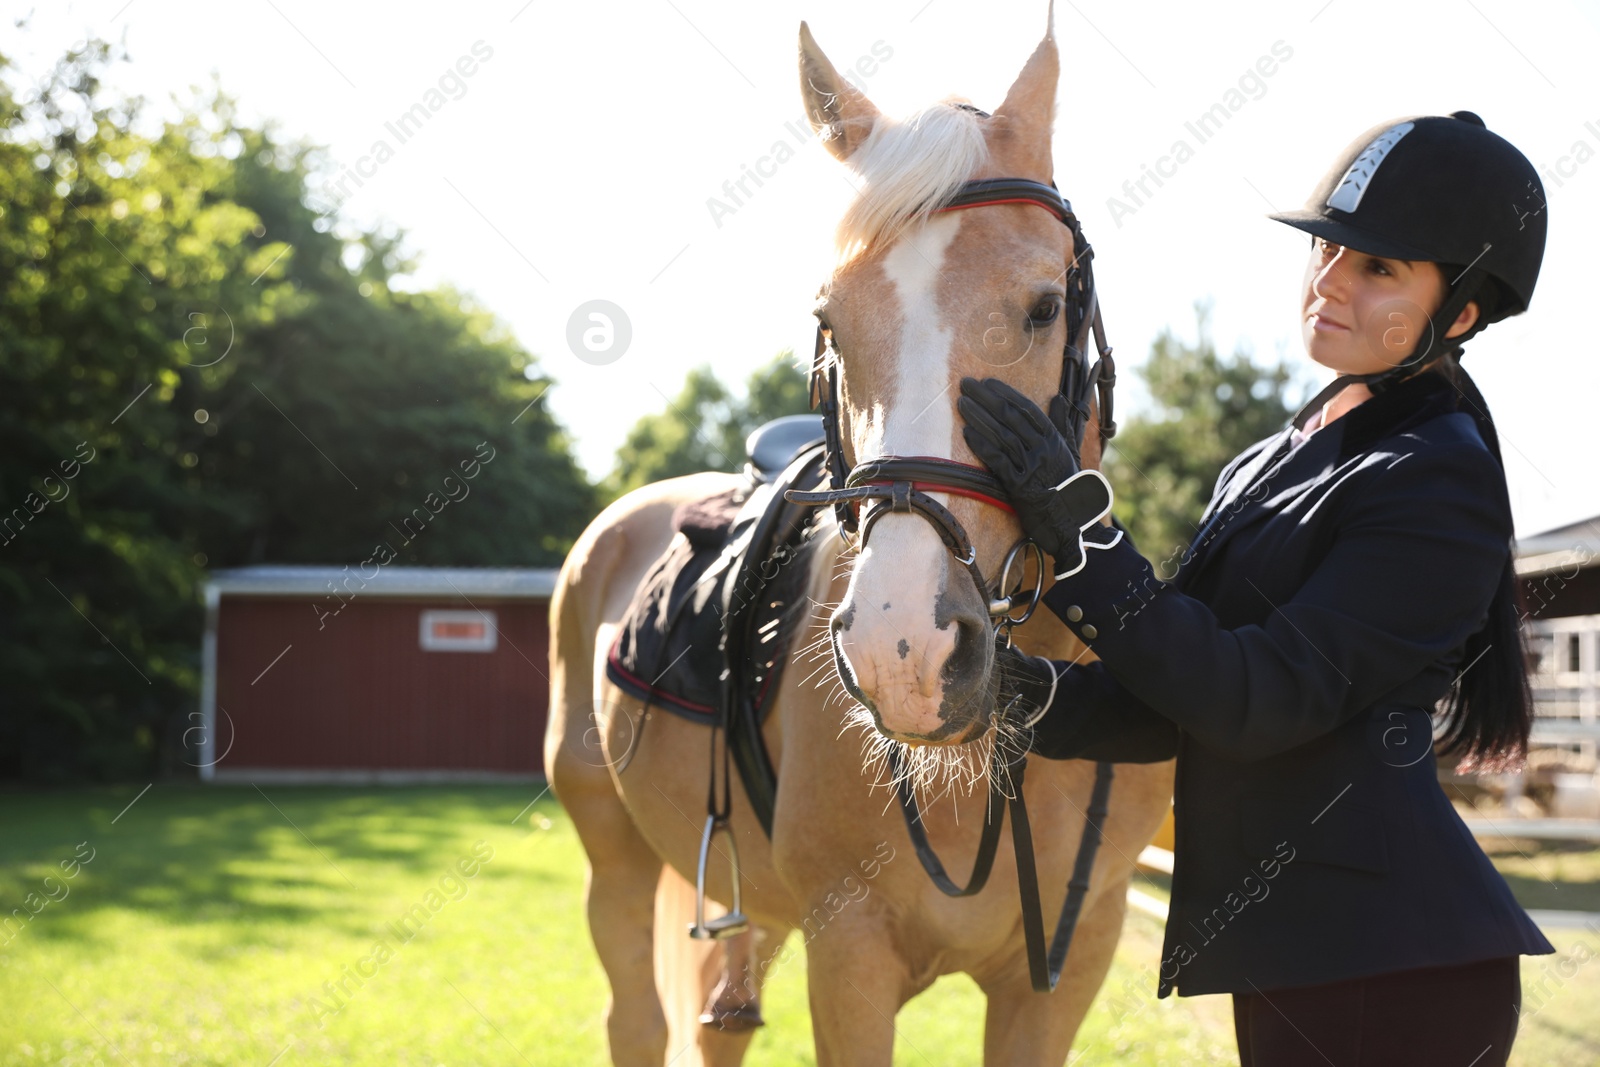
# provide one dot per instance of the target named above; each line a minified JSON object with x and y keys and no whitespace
{"x":1560,"y":875}
{"x":192,"y":854}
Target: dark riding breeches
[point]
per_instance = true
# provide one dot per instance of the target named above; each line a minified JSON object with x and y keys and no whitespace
{"x":1449,"y":1016}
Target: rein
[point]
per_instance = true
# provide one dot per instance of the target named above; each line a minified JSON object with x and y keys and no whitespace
{"x":900,"y":485}
{"x":1044,"y":966}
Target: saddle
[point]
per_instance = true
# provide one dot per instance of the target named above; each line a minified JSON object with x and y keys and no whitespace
{"x":707,"y":633}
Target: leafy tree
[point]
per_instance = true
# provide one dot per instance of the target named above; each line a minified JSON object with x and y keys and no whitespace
{"x":1164,"y":465}
{"x":690,"y":435}
{"x":703,"y":428}
{"x":196,"y":370}
{"x":775,"y":390}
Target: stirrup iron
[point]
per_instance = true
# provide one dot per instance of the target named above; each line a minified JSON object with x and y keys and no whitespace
{"x":733,"y":923}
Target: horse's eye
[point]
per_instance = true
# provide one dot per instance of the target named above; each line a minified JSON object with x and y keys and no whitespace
{"x":1045,"y":311}
{"x":827,"y":331}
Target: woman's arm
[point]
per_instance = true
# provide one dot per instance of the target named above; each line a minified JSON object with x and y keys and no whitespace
{"x":1092,"y":716}
{"x":1413,"y":568}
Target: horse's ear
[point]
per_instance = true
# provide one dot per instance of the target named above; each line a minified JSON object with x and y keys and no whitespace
{"x":838,"y":111}
{"x":1028,"y":115}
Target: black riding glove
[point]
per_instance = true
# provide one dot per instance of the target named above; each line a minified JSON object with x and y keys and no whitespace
{"x":1036,"y":459}
{"x":1027,"y":685}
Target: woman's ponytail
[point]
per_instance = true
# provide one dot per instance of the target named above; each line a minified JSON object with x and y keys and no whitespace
{"x":1488,"y":712}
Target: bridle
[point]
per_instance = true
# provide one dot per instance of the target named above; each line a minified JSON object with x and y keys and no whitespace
{"x":901,"y":484}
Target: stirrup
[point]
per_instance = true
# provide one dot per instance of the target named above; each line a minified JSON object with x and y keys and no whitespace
{"x":733,"y":923}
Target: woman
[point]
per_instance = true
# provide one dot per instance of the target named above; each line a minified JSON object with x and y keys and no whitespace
{"x":1350,"y":571}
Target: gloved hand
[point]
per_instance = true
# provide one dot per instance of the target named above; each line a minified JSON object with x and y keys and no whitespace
{"x":1027,"y":685}
{"x":1036,"y":459}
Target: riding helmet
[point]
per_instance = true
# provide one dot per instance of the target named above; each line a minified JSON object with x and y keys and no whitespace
{"x":1442,"y":188}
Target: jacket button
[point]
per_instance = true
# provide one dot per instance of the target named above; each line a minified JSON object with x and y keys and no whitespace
{"x":1089,"y":632}
{"x":1074,"y":613}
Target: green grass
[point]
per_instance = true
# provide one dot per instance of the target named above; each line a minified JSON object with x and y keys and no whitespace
{"x":1560,"y":875}
{"x":209,"y":919}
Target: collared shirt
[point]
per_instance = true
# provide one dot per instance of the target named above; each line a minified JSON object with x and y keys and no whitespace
{"x":1299,"y":437}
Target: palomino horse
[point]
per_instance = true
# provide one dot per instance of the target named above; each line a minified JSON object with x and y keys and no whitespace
{"x":918,"y":300}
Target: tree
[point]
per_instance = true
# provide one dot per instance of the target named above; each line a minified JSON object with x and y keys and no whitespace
{"x":1164,"y":465}
{"x":704,"y":427}
{"x":195,"y":369}
{"x":775,"y":390}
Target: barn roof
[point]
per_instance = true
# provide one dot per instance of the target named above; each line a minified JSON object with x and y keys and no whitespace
{"x":1560,"y":548}
{"x":281,"y":580}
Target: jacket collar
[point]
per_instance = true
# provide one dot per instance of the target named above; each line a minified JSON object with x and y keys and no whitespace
{"x":1400,"y":407}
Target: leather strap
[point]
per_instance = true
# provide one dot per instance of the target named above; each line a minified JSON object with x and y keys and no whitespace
{"x":1045,"y":969}
{"x":938,"y":474}
{"x":900,"y":484}
{"x":739,"y":717}
{"x":1010,"y":191}
{"x":988,"y":841}
{"x":1044,"y":965}
{"x":1078,"y":378}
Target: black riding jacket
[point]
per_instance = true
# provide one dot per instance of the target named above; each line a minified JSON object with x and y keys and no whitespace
{"x":1291,"y":666}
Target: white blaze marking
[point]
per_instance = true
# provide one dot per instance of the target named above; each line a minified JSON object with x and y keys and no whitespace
{"x":921,"y":421}
{"x":918,"y":420}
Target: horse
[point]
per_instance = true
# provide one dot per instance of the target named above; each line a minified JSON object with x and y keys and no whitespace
{"x":918,"y":299}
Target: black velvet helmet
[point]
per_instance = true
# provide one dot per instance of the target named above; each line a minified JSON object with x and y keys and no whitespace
{"x":1441,"y":188}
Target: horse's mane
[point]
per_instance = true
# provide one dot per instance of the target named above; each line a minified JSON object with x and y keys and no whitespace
{"x":908,"y":167}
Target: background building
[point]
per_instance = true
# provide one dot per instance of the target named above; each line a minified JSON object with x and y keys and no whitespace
{"x":1560,"y":573}
{"x":413,"y":674}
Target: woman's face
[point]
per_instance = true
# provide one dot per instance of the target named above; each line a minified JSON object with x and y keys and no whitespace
{"x":1361,"y":313}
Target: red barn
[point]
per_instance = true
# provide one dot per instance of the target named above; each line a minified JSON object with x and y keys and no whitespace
{"x":409,"y":674}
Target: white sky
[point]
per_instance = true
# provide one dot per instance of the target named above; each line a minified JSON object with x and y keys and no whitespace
{"x":578,"y":163}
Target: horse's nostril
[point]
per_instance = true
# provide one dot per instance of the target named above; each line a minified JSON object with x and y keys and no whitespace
{"x":840,"y":622}
{"x":848,"y":675}
{"x":969,"y":658}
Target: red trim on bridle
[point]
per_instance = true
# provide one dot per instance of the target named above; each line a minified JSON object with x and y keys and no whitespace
{"x":937,"y":487}
{"x":1012,"y":200}
{"x":941,"y":487}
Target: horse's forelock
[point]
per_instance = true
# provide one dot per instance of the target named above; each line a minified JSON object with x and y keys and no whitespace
{"x":907,"y":167}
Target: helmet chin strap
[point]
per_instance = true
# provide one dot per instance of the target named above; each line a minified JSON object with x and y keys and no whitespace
{"x":1461,"y":293}
{"x":1437,"y":344}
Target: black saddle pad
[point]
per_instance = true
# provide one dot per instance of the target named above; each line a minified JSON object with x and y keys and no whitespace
{"x":706,"y":522}
{"x":668,"y":651}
